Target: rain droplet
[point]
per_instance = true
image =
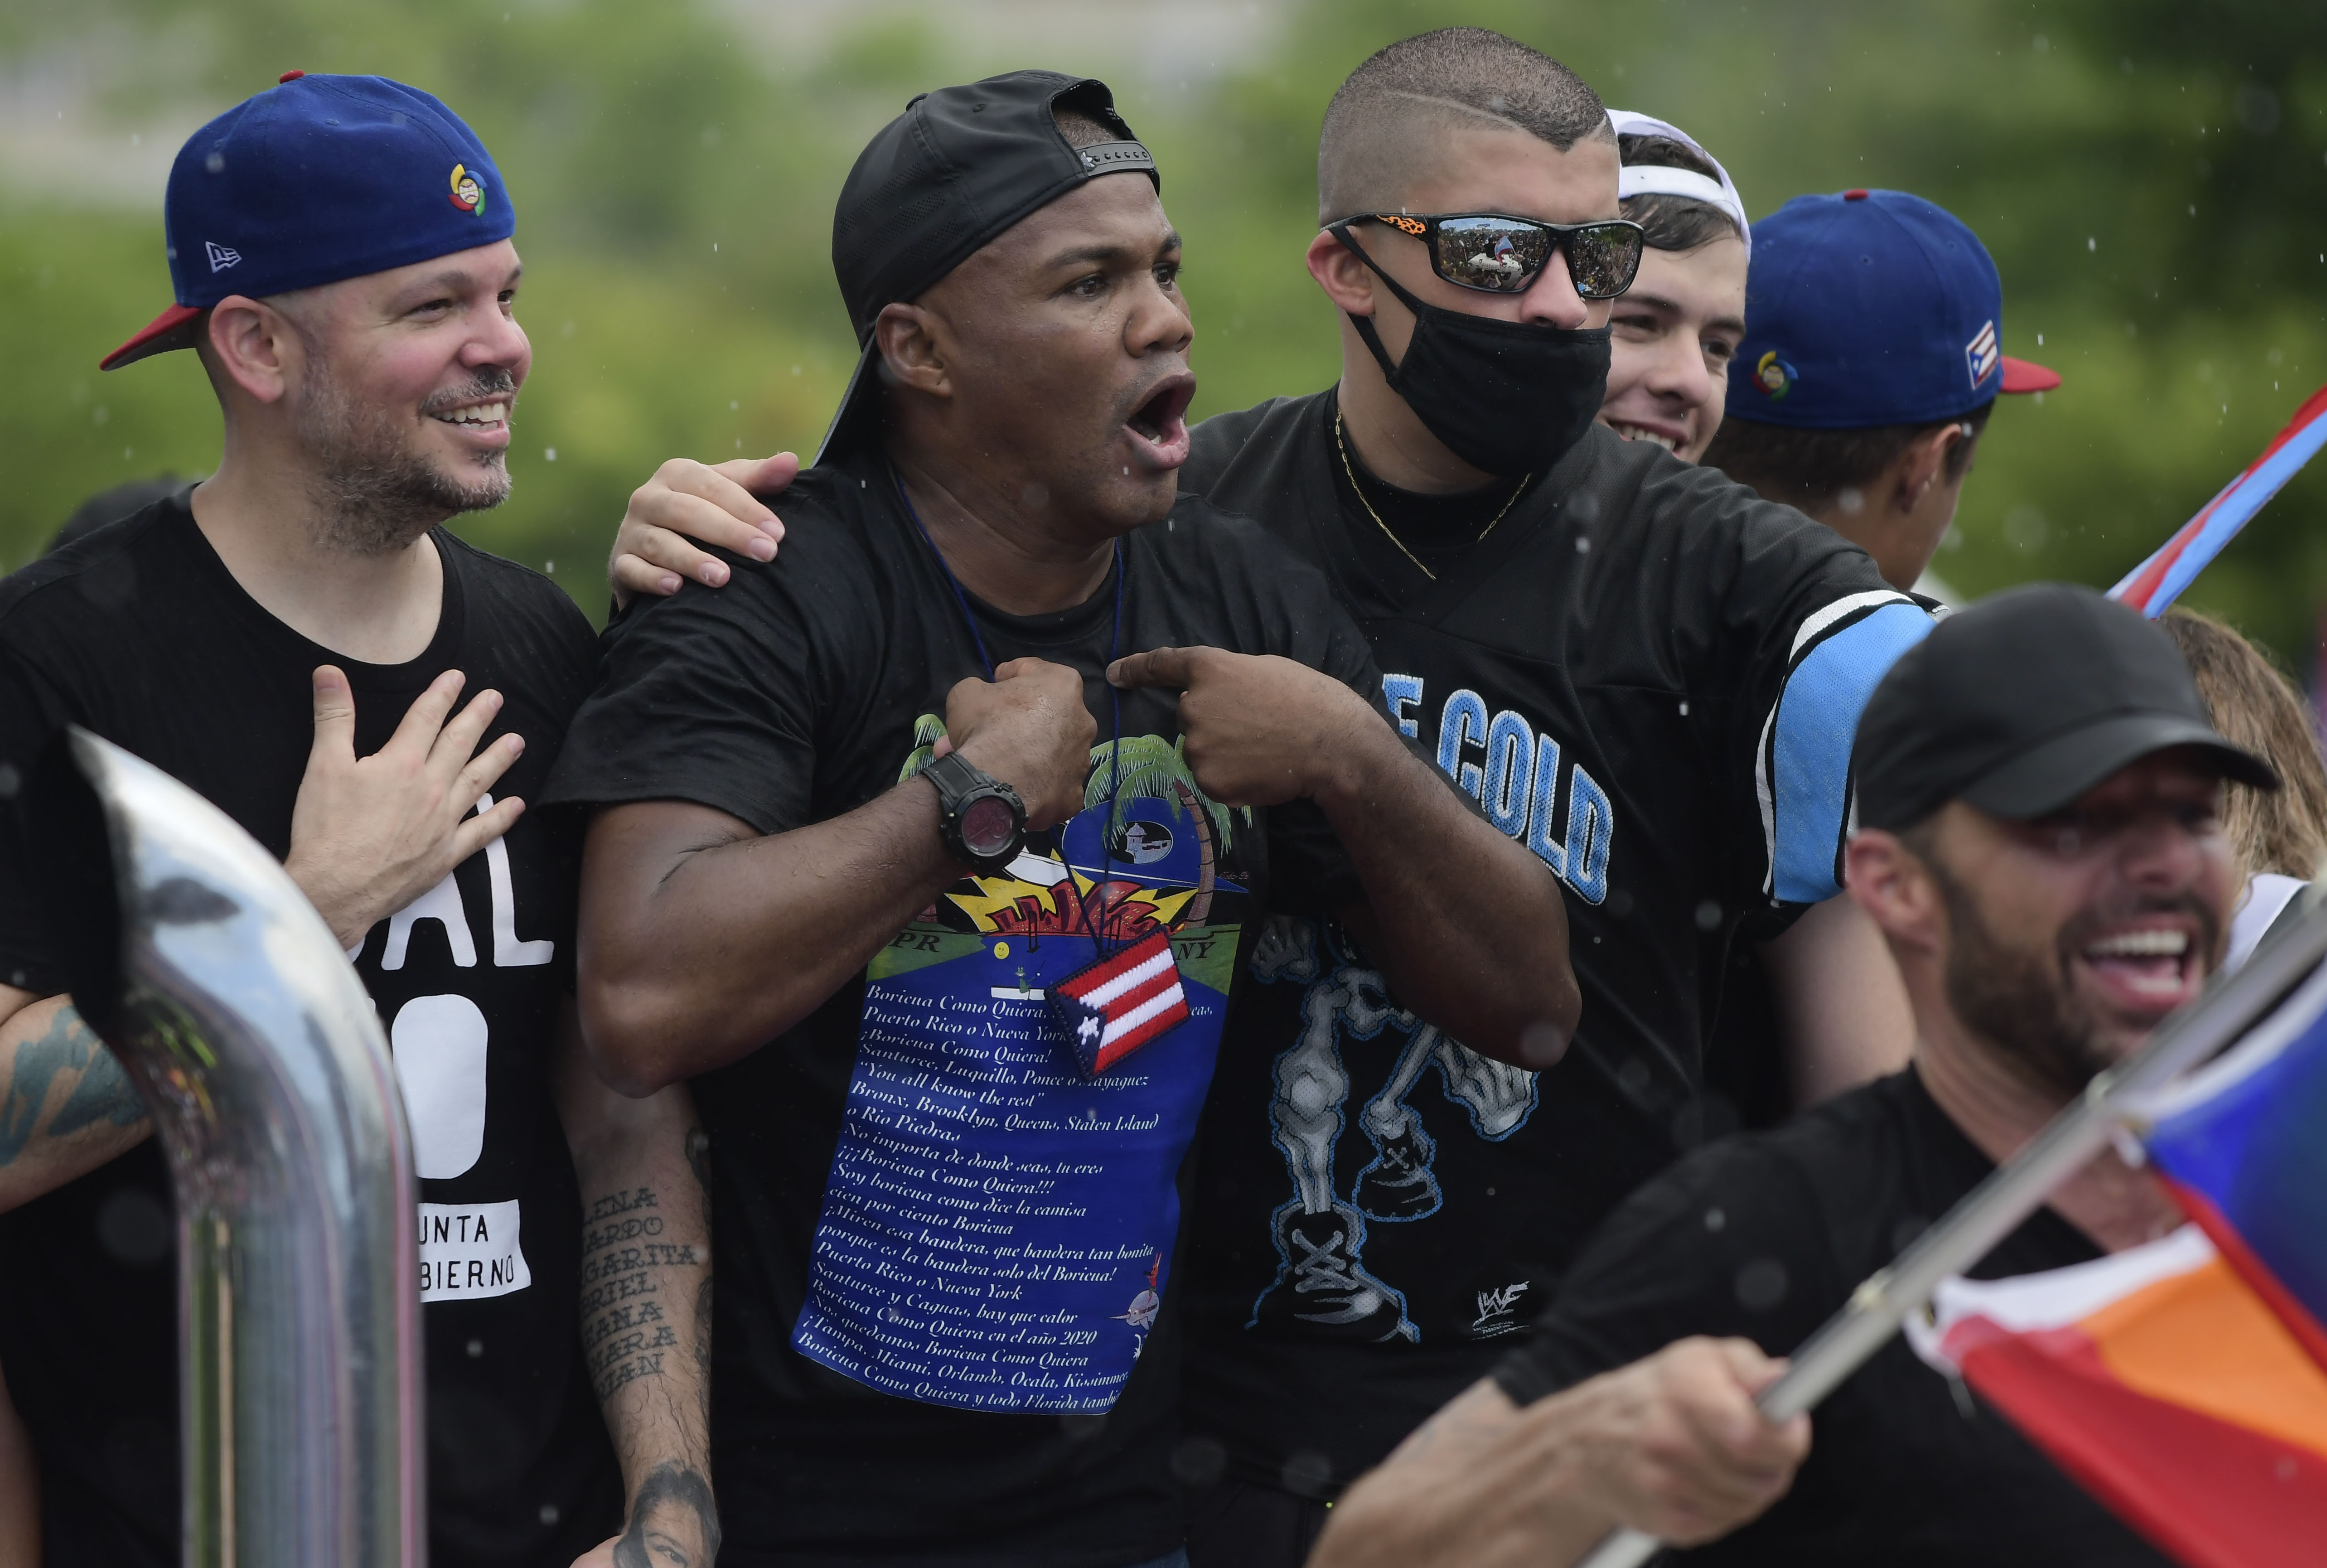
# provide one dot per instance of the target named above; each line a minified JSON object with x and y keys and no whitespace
{"x":1761,"y":1284}
{"x":1307,"y":1473}
{"x":1198,"y":1461}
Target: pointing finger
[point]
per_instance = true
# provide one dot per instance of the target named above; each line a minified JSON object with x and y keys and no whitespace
{"x":1158,"y":667}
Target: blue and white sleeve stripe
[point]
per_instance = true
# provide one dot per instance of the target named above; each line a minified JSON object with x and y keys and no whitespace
{"x":1802,"y":766}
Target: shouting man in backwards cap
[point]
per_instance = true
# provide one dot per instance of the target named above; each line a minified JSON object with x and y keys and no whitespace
{"x":908,"y":856}
{"x":291,"y":638}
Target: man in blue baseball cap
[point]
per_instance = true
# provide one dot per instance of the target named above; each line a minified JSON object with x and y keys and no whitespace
{"x":1873,"y":354}
{"x":291,"y":638}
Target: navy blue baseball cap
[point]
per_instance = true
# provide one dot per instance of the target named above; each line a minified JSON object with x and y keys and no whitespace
{"x":1871,"y":308}
{"x":317,"y":178}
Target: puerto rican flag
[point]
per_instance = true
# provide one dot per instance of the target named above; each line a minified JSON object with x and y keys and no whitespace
{"x":1119,"y":1003}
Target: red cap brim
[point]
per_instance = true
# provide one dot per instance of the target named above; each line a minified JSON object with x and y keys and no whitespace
{"x":2025,"y":376}
{"x":174,"y":329}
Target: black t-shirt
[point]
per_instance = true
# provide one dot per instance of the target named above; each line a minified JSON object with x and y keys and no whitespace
{"x":1765,"y":1235}
{"x":1651,"y":678}
{"x":938,"y":1334}
{"x":141,"y":634}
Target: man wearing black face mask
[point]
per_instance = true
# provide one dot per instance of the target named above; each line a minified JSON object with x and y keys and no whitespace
{"x":1642,"y":672}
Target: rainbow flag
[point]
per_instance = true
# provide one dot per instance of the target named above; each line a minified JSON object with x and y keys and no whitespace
{"x":2162,"y":1383}
{"x":2184,"y":1383}
{"x":2242,"y":1142}
{"x":2157,"y":582}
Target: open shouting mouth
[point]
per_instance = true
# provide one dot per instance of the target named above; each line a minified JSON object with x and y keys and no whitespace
{"x":1158,"y":426}
{"x":2146,"y":967}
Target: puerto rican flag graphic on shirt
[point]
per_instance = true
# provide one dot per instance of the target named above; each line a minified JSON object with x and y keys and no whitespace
{"x":1120,"y":1003}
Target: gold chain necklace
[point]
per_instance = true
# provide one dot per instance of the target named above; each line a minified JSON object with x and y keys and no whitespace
{"x":1360,"y":490}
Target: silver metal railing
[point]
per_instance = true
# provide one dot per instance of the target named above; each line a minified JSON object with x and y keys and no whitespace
{"x":262,"y":1062}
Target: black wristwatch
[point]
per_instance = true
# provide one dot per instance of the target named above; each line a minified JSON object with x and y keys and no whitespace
{"x":981,"y":819}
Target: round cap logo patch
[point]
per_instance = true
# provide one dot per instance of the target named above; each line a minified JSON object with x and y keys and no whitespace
{"x":1774,"y":377}
{"x":467,"y":195}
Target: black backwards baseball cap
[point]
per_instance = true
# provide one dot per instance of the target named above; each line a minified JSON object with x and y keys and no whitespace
{"x":945,"y":179}
{"x":317,"y":178}
{"x":1871,"y":308}
{"x":2022,"y":701}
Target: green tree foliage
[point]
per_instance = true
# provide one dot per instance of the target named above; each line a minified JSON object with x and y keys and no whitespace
{"x":674,"y":166}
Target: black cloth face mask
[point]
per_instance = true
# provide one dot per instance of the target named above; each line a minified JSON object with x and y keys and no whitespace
{"x":1506,"y":397}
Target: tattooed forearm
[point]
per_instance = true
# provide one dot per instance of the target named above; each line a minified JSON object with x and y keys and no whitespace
{"x":628,"y":1289}
{"x":646,"y":1313}
{"x":66,"y":1055}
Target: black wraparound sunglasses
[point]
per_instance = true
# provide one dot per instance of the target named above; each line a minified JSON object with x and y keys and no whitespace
{"x":1498,"y":254}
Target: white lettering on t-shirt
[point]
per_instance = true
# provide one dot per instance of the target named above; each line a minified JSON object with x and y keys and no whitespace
{"x":442,"y":904}
{"x":439,"y":1045}
{"x":469,"y":1251}
{"x":509,"y":953}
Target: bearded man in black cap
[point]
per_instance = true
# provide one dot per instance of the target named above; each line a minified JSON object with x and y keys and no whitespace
{"x":2041,"y":844}
{"x":951,"y":978}
{"x":1643,"y":673}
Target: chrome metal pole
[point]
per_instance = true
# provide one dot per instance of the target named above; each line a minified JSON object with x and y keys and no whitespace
{"x":1992,"y":1210}
{"x":261,"y":1059}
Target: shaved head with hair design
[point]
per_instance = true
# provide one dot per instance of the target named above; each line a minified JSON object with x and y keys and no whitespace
{"x":1385,"y":127}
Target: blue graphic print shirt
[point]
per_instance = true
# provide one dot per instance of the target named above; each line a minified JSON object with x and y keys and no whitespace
{"x":948,"y":1260}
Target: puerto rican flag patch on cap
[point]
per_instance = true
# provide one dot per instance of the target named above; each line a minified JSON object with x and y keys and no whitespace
{"x":1115,"y":1006}
{"x":1982,"y":354}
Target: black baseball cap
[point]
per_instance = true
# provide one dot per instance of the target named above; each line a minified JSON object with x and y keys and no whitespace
{"x":947,"y":177}
{"x":2022,"y":701}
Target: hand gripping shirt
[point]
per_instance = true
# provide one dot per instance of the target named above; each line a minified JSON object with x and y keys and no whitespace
{"x":1650,"y":677}
{"x":946,"y":1321}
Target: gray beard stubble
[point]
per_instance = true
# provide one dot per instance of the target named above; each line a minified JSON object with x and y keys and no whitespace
{"x":374,"y":494}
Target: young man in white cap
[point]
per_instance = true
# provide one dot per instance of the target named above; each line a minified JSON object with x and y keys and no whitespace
{"x":290,"y":639}
{"x":1673,"y":333}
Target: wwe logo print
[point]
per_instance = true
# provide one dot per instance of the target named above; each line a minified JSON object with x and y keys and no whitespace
{"x":1115,"y":1006}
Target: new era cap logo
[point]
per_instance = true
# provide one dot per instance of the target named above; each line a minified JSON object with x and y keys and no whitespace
{"x":1981,"y":353}
{"x":221,"y":258}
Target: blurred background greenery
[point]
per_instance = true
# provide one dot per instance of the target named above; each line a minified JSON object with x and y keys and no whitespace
{"x":2150,"y":174}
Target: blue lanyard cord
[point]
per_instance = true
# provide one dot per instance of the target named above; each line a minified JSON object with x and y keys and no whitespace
{"x":1114,"y":651}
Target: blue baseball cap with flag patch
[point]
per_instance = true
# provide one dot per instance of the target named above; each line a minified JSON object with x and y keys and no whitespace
{"x":317,"y":178}
{"x":1871,"y":308}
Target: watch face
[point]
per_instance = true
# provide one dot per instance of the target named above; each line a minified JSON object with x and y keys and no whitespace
{"x":988,"y":825}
